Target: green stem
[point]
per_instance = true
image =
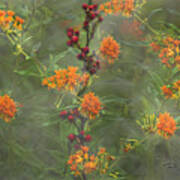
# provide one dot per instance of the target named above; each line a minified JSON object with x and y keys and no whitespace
{"x":147,"y":24}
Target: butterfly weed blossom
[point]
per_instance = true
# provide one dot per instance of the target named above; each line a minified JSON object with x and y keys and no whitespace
{"x":66,"y":79}
{"x":166,"y":125}
{"x":168,"y":49}
{"x":85,"y":162}
{"x":109,"y":49}
{"x":124,"y":7}
{"x":90,"y":105}
{"x":7,"y":108}
{"x":9,"y":22}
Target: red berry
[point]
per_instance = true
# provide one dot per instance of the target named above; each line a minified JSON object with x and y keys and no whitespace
{"x":86,"y":23}
{"x":69,"y":34}
{"x":88,"y":138}
{"x":93,"y":15}
{"x":93,"y":71}
{"x":85,"y":6}
{"x":95,"y":6}
{"x":86,"y":49}
{"x":83,"y":55}
{"x":91,"y":7}
{"x":70,"y":30}
{"x":63,"y":113}
{"x":69,"y":43}
{"x":71,"y":137}
{"x":75,"y":39}
{"x":70,"y":118}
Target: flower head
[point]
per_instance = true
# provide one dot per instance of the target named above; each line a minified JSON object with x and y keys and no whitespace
{"x":8,"y":21}
{"x":167,"y":91}
{"x":166,"y":125}
{"x":66,"y":79}
{"x":90,"y":105}
{"x":109,"y":49}
{"x":7,"y":108}
{"x":83,"y":161}
{"x":126,"y":7}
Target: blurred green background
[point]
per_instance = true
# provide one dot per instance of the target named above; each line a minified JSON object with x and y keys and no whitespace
{"x":34,"y":145}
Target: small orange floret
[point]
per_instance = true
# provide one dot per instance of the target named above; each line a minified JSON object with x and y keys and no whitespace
{"x":10,"y":13}
{"x":167,"y":91}
{"x":19,"y":19}
{"x":7,"y":108}
{"x":155,"y":46}
{"x":166,"y":125}
{"x":90,"y":105}
{"x":109,"y":49}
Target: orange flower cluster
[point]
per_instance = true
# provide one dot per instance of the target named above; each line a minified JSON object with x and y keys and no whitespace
{"x":126,"y":7}
{"x":172,"y":91}
{"x":168,"y":49}
{"x":7,"y":108}
{"x":166,"y":125}
{"x":109,"y":49}
{"x":85,"y":162}
{"x":66,"y":79}
{"x":132,"y":29}
{"x":90,"y":105}
{"x":8,"y":21}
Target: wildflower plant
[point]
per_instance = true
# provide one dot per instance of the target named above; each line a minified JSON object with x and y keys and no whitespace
{"x":79,"y":108}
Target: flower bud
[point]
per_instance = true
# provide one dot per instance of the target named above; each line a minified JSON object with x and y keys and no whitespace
{"x":63,"y":113}
{"x":85,"y":49}
{"x":85,"y":6}
{"x":70,"y":118}
{"x":75,"y":39}
{"x":71,"y":137}
{"x":88,"y":138}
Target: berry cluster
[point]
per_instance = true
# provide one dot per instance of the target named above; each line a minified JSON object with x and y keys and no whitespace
{"x":80,"y":138}
{"x":91,"y":14}
{"x":72,"y":116}
{"x":92,"y":19}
